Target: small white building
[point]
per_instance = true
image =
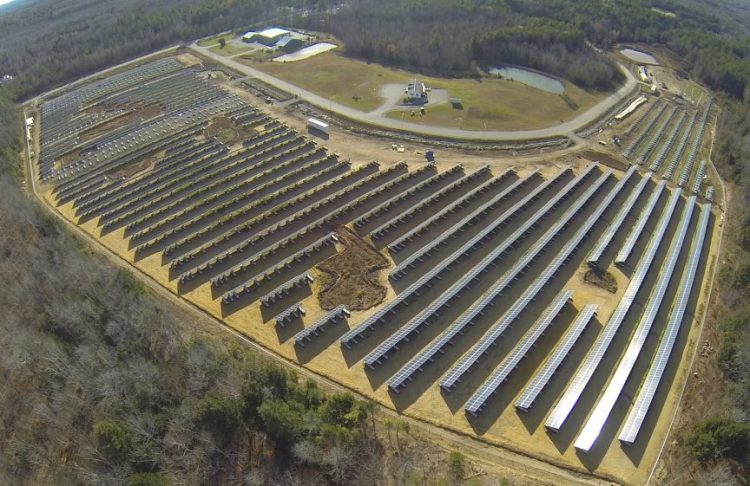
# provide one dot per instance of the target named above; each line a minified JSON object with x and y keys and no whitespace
{"x":415,"y":91}
{"x":643,"y":74}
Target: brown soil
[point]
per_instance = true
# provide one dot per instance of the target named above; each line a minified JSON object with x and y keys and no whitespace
{"x":228,"y":131}
{"x":132,"y":169}
{"x":67,"y":159}
{"x":132,"y":111}
{"x":604,"y":280}
{"x":351,"y":276}
{"x":605,"y":159}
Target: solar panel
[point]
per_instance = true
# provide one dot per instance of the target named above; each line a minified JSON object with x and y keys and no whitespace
{"x":489,"y":387}
{"x":382,"y":350}
{"x":356,"y":333}
{"x":711,"y":193}
{"x":288,"y":314}
{"x":414,"y":211}
{"x":593,"y":358}
{"x":606,"y":238}
{"x":318,"y":326}
{"x":540,"y":380}
{"x":602,"y":409}
{"x":397,"y":244}
{"x":460,"y":226}
{"x":645,"y":396}
{"x":392,"y":342}
{"x":402,"y":193}
{"x":499,"y":327}
{"x":637,"y":230}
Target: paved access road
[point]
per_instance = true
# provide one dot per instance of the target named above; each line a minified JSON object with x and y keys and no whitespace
{"x":374,"y":118}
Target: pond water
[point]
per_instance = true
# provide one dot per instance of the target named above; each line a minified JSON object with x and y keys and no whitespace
{"x":639,"y":56}
{"x":530,"y":78}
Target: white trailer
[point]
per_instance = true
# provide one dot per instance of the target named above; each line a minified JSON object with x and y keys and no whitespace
{"x":315,"y":124}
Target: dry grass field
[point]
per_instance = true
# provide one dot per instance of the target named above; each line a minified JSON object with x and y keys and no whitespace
{"x":222,"y":226}
{"x":487,"y":103}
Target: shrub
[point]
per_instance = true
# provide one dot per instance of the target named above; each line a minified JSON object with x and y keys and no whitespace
{"x":282,"y":421}
{"x":148,"y":479}
{"x":113,"y":438}
{"x":456,"y":467}
{"x":220,"y":414}
{"x":716,"y":438}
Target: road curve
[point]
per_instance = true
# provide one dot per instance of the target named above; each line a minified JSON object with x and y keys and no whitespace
{"x":563,"y":129}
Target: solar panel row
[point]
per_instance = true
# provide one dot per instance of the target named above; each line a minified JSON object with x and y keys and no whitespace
{"x":637,"y":230}
{"x":606,"y":238}
{"x":319,"y":326}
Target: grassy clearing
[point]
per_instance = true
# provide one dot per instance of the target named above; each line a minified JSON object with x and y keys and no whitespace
{"x":210,"y":41}
{"x":230,"y":49}
{"x":487,"y":103}
{"x":343,"y":80}
{"x":496,"y":104}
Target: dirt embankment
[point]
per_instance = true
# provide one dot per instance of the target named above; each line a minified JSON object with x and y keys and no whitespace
{"x":351,"y":276}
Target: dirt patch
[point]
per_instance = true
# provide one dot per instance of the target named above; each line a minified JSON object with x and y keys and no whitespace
{"x":351,"y":276}
{"x":132,"y":169}
{"x":603,"y":280}
{"x":223,"y":128}
{"x":227,"y":130}
{"x":606,"y":159}
{"x":67,"y":159}
{"x":130,"y":112}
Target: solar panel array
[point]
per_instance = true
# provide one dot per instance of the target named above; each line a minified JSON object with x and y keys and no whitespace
{"x":448,"y":235}
{"x":606,"y":403}
{"x":544,"y":375}
{"x":637,"y":230}
{"x":511,"y":361}
{"x":606,"y":238}
{"x":256,"y":215}
{"x":593,"y":358}
{"x":400,"y":243}
{"x":645,"y":396}
{"x":465,"y":281}
{"x":497,"y":329}
{"x":358,"y":332}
